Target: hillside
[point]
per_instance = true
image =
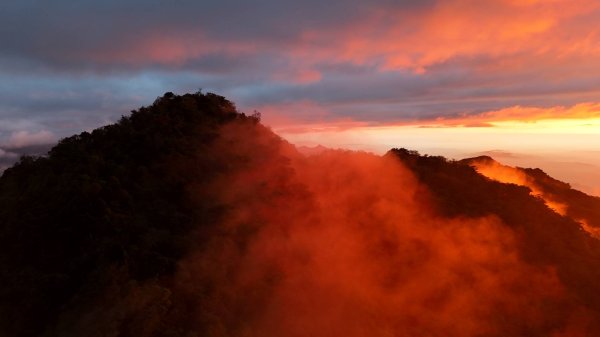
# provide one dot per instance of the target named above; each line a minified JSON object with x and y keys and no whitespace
{"x":189,"y":218}
{"x":559,"y":196}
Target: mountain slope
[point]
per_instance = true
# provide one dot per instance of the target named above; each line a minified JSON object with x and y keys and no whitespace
{"x":548,"y":237}
{"x":188,"y":218}
{"x":557,"y":195}
{"x":113,"y":201}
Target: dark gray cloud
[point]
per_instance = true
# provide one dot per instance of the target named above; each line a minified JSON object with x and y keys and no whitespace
{"x":67,"y":66}
{"x":10,"y":155}
{"x":66,"y":34}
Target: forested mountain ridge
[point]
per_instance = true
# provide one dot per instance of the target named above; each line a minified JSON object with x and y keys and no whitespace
{"x":557,"y":194}
{"x":110,"y":201}
{"x":189,"y":218}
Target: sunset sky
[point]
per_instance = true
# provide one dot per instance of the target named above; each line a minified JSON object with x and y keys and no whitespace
{"x":516,"y":79}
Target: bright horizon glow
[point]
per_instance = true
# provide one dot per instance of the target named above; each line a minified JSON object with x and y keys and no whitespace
{"x":548,"y":143}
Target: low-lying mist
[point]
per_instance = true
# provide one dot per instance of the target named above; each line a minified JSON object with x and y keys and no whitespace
{"x":347,"y":244}
{"x":517,"y":176}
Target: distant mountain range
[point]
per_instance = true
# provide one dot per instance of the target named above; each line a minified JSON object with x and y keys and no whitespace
{"x":189,"y":218}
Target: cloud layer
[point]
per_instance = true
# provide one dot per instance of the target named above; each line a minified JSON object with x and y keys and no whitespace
{"x":73,"y":66}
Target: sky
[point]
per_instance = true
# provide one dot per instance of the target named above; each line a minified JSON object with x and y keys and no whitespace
{"x":519,"y":79}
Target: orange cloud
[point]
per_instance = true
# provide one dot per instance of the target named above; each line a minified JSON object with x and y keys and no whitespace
{"x":582,"y":115}
{"x":461,"y":28}
{"x":516,"y":33}
{"x":511,"y":175}
{"x":298,"y":76}
{"x":339,"y":245}
{"x":581,"y":112}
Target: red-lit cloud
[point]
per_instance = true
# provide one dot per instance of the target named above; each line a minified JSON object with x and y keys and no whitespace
{"x":581,"y":112}
{"x":390,"y":36}
{"x":349,"y":244}
{"x":450,"y":29}
{"x":511,"y":175}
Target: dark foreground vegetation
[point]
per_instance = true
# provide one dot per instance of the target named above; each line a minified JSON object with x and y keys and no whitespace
{"x":189,"y":218}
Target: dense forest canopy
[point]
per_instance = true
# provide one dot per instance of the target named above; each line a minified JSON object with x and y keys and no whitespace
{"x":189,"y":218}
